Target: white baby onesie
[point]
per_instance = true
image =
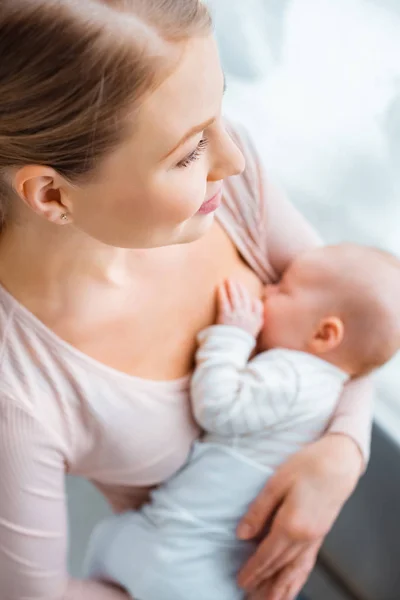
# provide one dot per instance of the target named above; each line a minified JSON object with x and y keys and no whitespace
{"x":255,"y":414}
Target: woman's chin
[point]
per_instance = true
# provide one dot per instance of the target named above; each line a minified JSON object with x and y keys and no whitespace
{"x":195,"y":228}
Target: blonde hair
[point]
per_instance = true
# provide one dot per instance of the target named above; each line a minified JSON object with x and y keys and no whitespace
{"x":70,"y":71}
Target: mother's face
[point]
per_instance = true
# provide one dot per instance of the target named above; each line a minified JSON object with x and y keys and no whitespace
{"x":149,"y":190}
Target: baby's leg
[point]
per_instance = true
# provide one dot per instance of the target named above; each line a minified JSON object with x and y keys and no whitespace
{"x":122,"y":550}
{"x":153,"y":563}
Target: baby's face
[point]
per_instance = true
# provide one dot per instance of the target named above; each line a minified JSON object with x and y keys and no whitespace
{"x":293,"y":307}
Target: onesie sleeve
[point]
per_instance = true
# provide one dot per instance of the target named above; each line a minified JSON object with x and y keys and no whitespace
{"x":232,"y":396}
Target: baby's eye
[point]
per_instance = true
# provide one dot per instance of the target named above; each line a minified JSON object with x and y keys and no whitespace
{"x":195,"y":155}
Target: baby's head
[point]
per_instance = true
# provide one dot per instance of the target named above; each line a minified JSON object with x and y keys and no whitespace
{"x":341,"y":303}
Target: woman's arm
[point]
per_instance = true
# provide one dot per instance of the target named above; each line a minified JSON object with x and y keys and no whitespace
{"x":33,"y":515}
{"x":354,"y":415}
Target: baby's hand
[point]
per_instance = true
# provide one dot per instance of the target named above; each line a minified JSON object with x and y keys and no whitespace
{"x":236,"y":307}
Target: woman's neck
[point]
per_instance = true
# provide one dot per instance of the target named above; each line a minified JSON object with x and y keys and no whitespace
{"x":39,"y":257}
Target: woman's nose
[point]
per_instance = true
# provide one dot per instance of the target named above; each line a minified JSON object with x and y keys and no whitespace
{"x":227,"y":158}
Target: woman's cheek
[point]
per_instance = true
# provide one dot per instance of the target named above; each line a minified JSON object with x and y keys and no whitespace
{"x":181,"y":194}
{"x":189,"y":194}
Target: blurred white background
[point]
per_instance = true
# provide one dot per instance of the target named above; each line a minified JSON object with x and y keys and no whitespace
{"x":317,"y":84}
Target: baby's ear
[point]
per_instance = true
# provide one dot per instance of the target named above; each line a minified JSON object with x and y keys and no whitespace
{"x":328,"y":336}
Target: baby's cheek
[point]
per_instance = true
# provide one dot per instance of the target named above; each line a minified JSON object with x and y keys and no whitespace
{"x":271,"y":311}
{"x":269,"y":322}
{"x":276,"y":321}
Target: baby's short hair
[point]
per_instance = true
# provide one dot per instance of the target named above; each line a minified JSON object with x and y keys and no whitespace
{"x":368,"y":302}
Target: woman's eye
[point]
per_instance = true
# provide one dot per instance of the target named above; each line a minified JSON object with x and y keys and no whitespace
{"x":195,"y":155}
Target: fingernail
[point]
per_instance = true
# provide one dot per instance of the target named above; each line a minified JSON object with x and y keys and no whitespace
{"x":246,"y":583}
{"x":245,"y":531}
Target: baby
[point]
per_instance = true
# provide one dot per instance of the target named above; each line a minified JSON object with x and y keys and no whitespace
{"x":334,"y":315}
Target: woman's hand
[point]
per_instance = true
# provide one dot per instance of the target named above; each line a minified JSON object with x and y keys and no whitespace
{"x":303,"y":499}
{"x":288,"y":583}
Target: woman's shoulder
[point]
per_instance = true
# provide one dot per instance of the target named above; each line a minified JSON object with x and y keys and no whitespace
{"x":26,"y":382}
{"x":9,"y":355}
{"x":6,"y":318}
{"x":6,"y":310}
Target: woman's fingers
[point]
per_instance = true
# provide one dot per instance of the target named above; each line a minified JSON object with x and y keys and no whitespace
{"x":289,"y":582}
{"x":276,"y":551}
{"x":286,"y":541}
{"x":261,"y":509}
{"x":295,"y":588}
{"x":262,"y":592}
{"x":287,"y":556}
{"x":273,"y":548}
{"x":292,"y":578}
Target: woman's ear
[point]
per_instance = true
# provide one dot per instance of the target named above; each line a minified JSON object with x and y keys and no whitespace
{"x":40,"y":189}
{"x":329,"y":335}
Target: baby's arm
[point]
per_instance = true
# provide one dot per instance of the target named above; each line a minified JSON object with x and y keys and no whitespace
{"x":230,"y":395}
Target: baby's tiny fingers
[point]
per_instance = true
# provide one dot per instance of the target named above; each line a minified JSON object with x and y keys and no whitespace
{"x":257,"y":306}
{"x":223,"y":299}
{"x":246,"y":299}
{"x":235,"y":294}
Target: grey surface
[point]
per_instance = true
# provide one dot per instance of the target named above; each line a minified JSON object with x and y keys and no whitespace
{"x":363,"y":549}
{"x":322,"y":586}
{"x":86,"y":507}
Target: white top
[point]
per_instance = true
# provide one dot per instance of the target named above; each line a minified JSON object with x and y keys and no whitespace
{"x":267,"y":407}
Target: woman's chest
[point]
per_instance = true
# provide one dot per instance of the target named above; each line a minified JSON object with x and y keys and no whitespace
{"x":138,"y":433}
{"x":150,"y":332}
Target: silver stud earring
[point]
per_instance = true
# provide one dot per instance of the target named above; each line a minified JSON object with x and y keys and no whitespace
{"x":64,"y":217}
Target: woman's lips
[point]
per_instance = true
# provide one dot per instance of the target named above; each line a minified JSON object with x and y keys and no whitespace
{"x":210,"y":205}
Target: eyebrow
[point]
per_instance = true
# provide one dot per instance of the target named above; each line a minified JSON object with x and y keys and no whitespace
{"x":194,"y":131}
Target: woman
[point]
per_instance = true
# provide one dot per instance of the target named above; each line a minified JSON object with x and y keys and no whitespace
{"x":112,"y":153}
